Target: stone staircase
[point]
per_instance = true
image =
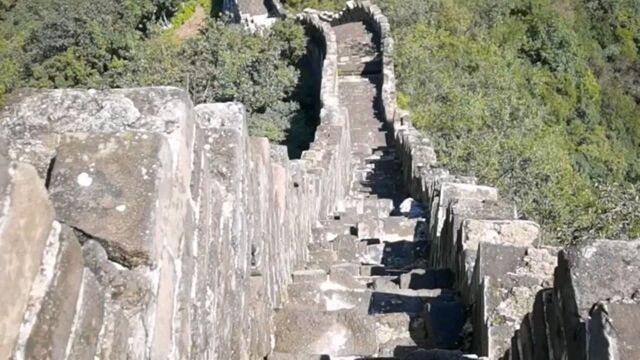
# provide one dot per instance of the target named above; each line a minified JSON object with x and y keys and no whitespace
{"x":366,"y":291}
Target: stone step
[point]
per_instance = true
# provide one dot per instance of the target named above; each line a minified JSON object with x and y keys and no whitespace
{"x":335,"y":333}
{"x":411,"y":302}
{"x":427,"y":279}
{"x":391,"y":228}
{"x":328,"y":296}
{"x":398,"y":331}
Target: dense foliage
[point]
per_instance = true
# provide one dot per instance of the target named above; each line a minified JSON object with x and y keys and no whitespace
{"x":539,"y":97}
{"x":126,"y":43}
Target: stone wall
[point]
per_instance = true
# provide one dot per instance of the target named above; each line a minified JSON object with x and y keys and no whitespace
{"x":136,"y":225}
{"x":527,"y":301}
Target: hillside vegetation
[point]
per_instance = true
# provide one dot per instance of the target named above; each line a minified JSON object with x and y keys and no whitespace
{"x":127,"y":43}
{"x":538,"y":97}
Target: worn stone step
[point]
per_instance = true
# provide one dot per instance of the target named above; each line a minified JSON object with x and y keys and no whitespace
{"x":398,"y":228}
{"x":340,"y":333}
{"x":427,"y":279}
{"x":444,"y":321}
{"x":328,"y":296}
{"x":322,"y":259}
{"x":309,"y":275}
{"x":406,"y":301}
{"x":405,"y":254}
{"x":398,"y":331}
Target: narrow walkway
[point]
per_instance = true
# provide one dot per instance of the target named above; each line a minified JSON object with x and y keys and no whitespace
{"x":366,"y":292}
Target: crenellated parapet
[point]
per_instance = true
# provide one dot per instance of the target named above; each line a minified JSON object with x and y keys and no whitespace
{"x":528,"y":301}
{"x":153,"y":228}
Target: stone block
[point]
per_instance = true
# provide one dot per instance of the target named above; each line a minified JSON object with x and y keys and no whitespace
{"x":106,"y":185}
{"x":587,"y":275}
{"x":310,"y":275}
{"x":447,"y":249}
{"x":392,"y":331}
{"x":397,"y":229}
{"x":506,"y":279}
{"x":336,"y":333}
{"x":89,"y":318}
{"x":27,"y":227}
{"x":450,"y":191}
{"x":614,"y":332}
{"x":32,"y":129}
{"x":53,"y":323}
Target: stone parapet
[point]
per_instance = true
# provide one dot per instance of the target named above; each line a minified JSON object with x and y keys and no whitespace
{"x":522,"y":308}
{"x":134,"y":223}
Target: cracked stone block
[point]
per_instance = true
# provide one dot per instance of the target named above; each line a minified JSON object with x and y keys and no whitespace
{"x":614,"y":331}
{"x":128,"y":295}
{"x":27,"y":225}
{"x":107,"y":186}
{"x":336,"y":333}
{"x":588,"y":274}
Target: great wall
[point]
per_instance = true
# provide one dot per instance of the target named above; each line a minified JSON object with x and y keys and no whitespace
{"x":137,"y":226}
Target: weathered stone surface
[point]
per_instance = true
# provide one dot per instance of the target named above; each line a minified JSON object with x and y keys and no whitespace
{"x":511,"y":232}
{"x":106,"y":185}
{"x":127,"y":296}
{"x":589,"y":274}
{"x":392,"y":331}
{"x":614,"y":332}
{"x":451,"y":191}
{"x":506,"y":278}
{"x":311,"y":275}
{"x":26,"y":218}
{"x":339,"y":333}
{"x":53,"y":324}
{"x":32,"y":119}
{"x":397,"y":228}
{"x":89,"y":318}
